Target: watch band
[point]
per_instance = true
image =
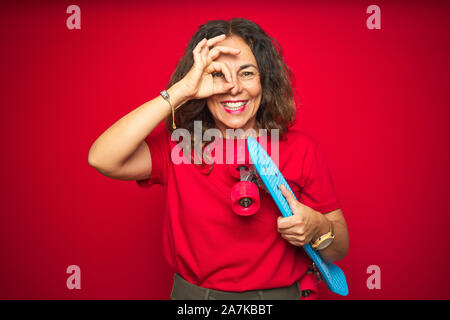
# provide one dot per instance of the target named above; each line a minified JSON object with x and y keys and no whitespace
{"x":325,"y":240}
{"x":166,"y":97}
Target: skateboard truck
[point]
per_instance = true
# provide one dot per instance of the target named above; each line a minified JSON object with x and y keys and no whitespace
{"x":313,"y":269}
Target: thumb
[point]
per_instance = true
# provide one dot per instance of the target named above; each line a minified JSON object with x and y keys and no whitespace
{"x":289,"y":197}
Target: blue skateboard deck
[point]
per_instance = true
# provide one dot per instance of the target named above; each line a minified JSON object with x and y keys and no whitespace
{"x":272,"y":178}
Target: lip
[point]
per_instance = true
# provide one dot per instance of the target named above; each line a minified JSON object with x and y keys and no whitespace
{"x":227,"y":101}
{"x":235,"y":111}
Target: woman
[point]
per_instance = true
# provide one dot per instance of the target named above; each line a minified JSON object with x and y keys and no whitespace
{"x":230,"y":77}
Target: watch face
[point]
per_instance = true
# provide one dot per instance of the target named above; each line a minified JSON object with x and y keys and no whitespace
{"x":325,"y":243}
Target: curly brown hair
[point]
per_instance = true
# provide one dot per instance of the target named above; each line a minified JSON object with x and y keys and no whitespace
{"x":277,"y":107}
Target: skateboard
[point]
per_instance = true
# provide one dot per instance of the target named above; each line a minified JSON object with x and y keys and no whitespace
{"x":245,"y":198}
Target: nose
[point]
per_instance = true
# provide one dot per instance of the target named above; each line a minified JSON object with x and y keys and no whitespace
{"x":237,"y":86}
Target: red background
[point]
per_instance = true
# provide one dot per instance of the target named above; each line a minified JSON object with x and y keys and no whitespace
{"x":376,"y":99}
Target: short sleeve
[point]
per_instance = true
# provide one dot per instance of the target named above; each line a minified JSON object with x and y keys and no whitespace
{"x":318,"y":191}
{"x":158,"y":143}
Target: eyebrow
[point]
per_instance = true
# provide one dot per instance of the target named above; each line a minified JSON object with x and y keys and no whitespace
{"x":247,"y":65}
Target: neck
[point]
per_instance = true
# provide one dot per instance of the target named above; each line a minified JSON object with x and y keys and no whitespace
{"x":241,"y":133}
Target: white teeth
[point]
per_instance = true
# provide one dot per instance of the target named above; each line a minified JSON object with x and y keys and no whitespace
{"x":234,"y":105}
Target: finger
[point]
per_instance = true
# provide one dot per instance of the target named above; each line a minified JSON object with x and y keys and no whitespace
{"x":216,"y":51}
{"x":223,"y":87}
{"x":294,"y":241}
{"x":294,"y":204}
{"x":294,"y":238}
{"x":204,"y":54}
{"x":285,"y":223}
{"x":197,"y":59}
{"x":215,"y":39}
{"x":216,"y":66}
{"x":289,"y":196}
{"x":297,"y":243}
{"x":204,"y":51}
{"x":197,"y":50}
{"x":295,"y":231}
{"x":199,"y":45}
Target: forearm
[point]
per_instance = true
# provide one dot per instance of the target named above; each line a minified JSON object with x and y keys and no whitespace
{"x":338,"y":249}
{"x":120,"y":141}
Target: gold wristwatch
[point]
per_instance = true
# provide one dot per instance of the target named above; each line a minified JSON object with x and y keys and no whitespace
{"x":324,"y":240}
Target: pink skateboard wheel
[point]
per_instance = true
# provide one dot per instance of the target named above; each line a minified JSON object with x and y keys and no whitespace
{"x":245,"y":198}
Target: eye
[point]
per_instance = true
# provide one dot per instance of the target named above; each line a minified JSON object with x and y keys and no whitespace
{"x":218,"y":74}
{"x":247,"y":73}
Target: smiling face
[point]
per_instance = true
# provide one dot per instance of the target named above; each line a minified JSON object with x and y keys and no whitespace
{"x":237,"y":108}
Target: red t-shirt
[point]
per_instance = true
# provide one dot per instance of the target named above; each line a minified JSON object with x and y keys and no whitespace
{"x":211,"y":246}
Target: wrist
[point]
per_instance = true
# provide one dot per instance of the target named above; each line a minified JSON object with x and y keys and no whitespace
{"x":179,"y":95}
{"x":322,"y":227}
{"x":322,"y":239}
